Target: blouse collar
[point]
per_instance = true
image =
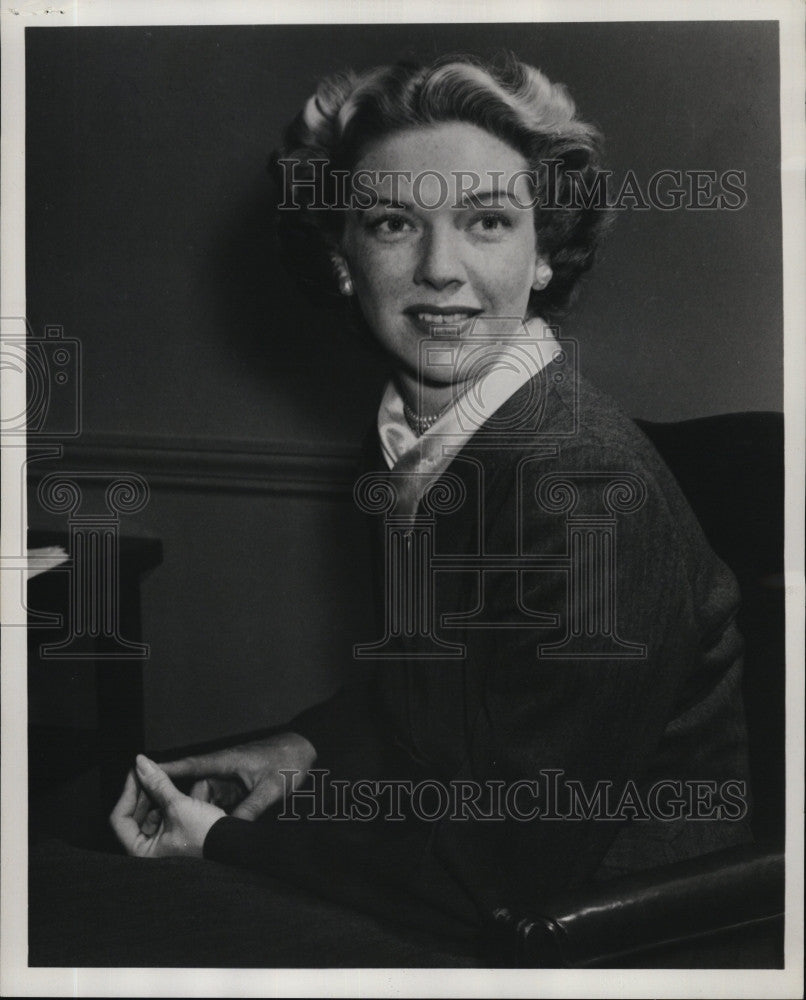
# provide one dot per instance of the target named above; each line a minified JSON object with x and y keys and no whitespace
{"x":510,"y":366}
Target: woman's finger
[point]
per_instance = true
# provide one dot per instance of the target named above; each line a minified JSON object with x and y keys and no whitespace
{"x":202,"y":791}
{"x":122,"y":818}
{"x":161,"y":790}
{"x":258,"y":801}
{"x":142,"y":807}
{"x":205,"y":765}
{"x":220,"y":792}
{"x":151,"y":823}
{"x":127,"y":802}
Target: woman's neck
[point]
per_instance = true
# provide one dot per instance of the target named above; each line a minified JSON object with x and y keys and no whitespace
{"x":426,"y":399}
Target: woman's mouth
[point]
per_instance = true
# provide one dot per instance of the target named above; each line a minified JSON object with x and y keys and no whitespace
{"x":426,"y":318}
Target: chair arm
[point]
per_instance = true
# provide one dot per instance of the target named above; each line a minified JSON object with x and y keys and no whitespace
{"x":606,"y":921}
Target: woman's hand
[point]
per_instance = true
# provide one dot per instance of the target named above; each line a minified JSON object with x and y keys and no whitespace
{"x":245,"y":780}
{"x":153,"y":819}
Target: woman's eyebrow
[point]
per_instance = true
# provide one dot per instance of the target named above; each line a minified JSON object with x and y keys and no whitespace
{"x":377,"y":202}
{"x":359,"y":211}
{"x":392,"y":203}
{"x":472,"y":199}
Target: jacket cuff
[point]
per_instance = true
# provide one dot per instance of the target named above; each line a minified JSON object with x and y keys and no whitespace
{"x":232,"y":841}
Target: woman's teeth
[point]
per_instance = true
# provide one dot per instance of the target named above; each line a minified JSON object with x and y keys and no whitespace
{"x":442,"y":319}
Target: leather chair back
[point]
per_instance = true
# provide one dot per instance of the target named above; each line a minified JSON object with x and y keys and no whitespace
{"x":731,"y":469}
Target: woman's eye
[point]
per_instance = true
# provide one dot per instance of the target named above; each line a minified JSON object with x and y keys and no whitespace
{"x":491,"y":222}
{"x":390,"y":226}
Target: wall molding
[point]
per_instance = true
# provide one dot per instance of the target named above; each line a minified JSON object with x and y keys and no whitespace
{"x":218,"y":465}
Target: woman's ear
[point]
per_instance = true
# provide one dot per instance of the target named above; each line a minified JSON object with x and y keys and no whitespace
{"x":342,"y":274}
{"x":543,"y":274}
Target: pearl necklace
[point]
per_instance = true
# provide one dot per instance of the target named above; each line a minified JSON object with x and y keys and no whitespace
{"x":421,"y":424}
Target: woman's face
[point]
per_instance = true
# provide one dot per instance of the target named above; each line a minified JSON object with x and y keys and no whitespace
{"x":427,"y":255}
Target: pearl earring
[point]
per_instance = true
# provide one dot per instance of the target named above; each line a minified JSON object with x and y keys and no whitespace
{"x":342,"y":274}
{"x":543,"y":275}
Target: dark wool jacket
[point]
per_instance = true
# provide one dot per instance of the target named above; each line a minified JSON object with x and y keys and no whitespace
{"x":607,"y":669}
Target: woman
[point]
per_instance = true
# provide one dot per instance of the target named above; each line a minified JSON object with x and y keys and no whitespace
{"x":576,"y":694}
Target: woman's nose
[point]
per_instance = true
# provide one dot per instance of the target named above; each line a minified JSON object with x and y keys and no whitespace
{"x":439,"y":264}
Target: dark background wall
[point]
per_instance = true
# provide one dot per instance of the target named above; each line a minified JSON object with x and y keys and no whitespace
{"x":149,"y":240}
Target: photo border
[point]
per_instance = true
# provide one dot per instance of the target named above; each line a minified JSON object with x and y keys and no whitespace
{"x":15,"y":976}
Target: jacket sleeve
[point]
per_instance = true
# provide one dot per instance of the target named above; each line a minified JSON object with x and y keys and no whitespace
{"x":344,"y":724}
